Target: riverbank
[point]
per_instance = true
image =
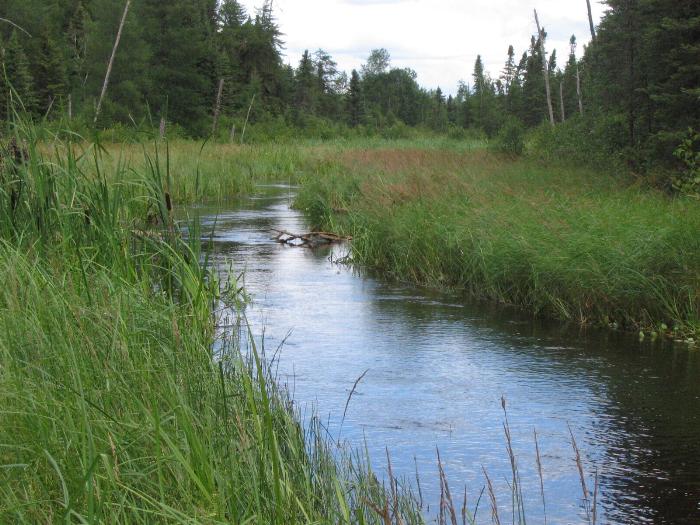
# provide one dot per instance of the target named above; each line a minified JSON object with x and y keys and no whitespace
{"x":560,"y":242}
{"x":113,"y":406}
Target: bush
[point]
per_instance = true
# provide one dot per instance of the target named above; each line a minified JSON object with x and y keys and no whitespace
{"x":510,"y":138}
{"x":596,"y":142}
{"x":688,"y":152}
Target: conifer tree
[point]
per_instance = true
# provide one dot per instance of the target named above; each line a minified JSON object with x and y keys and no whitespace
{"x":77,"y":35}
{"x":479,"y":91}
{"x":17,"y":76}
{"x":508,"y":74}
{"x":306,"y":85}
{"x":52,"y":76}
{"x":355,"y":104}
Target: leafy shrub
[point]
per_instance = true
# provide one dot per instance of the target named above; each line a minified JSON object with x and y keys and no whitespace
{"x":688,"y":152}
{"x":597,"y":142}
{"x":510,"y":138}
{"x":396,"y":131}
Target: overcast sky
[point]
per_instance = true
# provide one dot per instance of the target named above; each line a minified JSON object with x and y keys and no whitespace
{"x":440,"y":39}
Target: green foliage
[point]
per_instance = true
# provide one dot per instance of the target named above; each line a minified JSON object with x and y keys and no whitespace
{"x":112,"y":406}
{"x":511,"y":137}
{"x":638,"y":78}
{"x":594,"y":141}
{"x":17,"y":82}
{"x":688,"y":152}
{"x":355,"y":101}
{"x":568,"y":243}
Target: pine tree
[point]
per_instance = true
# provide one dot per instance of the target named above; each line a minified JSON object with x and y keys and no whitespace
{"x":479,"y":91}
{"x":552,"y":64}
{"x":439,"y":111}
{"x":232,"y":15}
{"x":17,"y":76}
{"x":51,"y":77}
{"x":534,"y":102}
{"x":183,"y":65}
{"x":570,"y":81}
{"x":306,"y":85}
{"x":355,"y":103}
{"x":508,"y":74}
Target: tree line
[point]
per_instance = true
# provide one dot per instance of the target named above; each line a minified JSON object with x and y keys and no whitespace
{"x":636,"y":89}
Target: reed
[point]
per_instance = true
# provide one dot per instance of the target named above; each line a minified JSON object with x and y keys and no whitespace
{"x":564,"y":243}
{"x":119,"y":400}
{"x":114,"y":405}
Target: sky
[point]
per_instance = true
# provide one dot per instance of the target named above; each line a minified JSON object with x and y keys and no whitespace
{"x":439,"y":39}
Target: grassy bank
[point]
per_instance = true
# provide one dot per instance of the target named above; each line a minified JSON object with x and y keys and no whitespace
{"x":561,"y":242}
{"x":112,"y":407}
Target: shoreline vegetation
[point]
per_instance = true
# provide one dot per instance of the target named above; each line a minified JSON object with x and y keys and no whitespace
{"x":119,"y":402}
{"x":558,"y":241}
{"x":116,"y":408}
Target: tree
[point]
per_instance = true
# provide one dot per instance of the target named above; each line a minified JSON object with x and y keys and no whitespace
{"x":52,"y":77}
{"x":183,"y":68}
{"x":77,"y":34}
{"x":355,"y":103}
{"x":533,"y":108}
{"x":231,"y":15}
{"x":572,"y":102}
{"x":377,"y":63}
{"x":17,"y":76}
{"x":306,"y":85}
{"x":509,"y":71}
{"x":439,"y":119}
{"x":545,"y":67}
{"x":479,"y":91}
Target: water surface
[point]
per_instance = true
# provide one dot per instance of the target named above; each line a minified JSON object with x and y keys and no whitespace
{"x":438,"y":365}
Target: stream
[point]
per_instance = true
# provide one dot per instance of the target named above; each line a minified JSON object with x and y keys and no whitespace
{"x":438,"y":366}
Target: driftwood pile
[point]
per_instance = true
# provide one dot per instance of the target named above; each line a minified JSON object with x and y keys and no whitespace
{"x":308,"y":240}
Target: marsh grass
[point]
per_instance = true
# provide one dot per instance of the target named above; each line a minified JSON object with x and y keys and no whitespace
{"x":120,"y":402}
{"x":565,"y":243}
{"x":113,"y":408}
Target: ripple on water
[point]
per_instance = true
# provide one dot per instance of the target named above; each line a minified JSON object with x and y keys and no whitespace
{"x":438,"y":367}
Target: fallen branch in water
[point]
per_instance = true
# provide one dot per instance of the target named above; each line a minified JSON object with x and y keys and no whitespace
{"x":308,"y":239}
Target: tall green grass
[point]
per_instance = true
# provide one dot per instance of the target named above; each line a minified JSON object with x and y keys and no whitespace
{"x":561,"y":242}
{"x":113,"y":406}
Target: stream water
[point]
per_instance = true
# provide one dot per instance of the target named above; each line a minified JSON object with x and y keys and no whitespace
{"x":438,"y":365}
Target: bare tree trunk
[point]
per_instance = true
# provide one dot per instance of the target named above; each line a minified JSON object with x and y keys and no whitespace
{"x":561,"y":100}
{"x":233,"y":133}
{"x":70,"y":107}
{"x":161,"y":128}
{"x":578,"y":91}
{"x":590,"y":19}
{"x":548,"y":89}
{"x":246,"y":119}
{"x":111,"y":61}
{"x":217,"y":107}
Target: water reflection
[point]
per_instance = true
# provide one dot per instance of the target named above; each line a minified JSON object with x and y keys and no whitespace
{"x":438,"y":367}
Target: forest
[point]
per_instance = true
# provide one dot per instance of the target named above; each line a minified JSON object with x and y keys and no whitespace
{"x":631,"y":102}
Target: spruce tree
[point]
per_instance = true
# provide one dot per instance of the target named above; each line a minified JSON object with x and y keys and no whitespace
{"x":306,"y":86}
{"x":51,"y":77}
{"x":479,"y":91}
{"x":355,"y":104}
{"x":508,"y":74}
{"x":17,"y":76}
{"x":77,"y":35}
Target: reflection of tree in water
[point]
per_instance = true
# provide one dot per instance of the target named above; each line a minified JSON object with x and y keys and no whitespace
{"x":651,"y":453}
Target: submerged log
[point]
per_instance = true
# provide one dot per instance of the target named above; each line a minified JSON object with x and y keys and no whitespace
{"x":310,"y":240}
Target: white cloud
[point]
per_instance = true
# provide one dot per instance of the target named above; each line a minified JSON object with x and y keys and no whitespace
{"x":440,"y":39}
